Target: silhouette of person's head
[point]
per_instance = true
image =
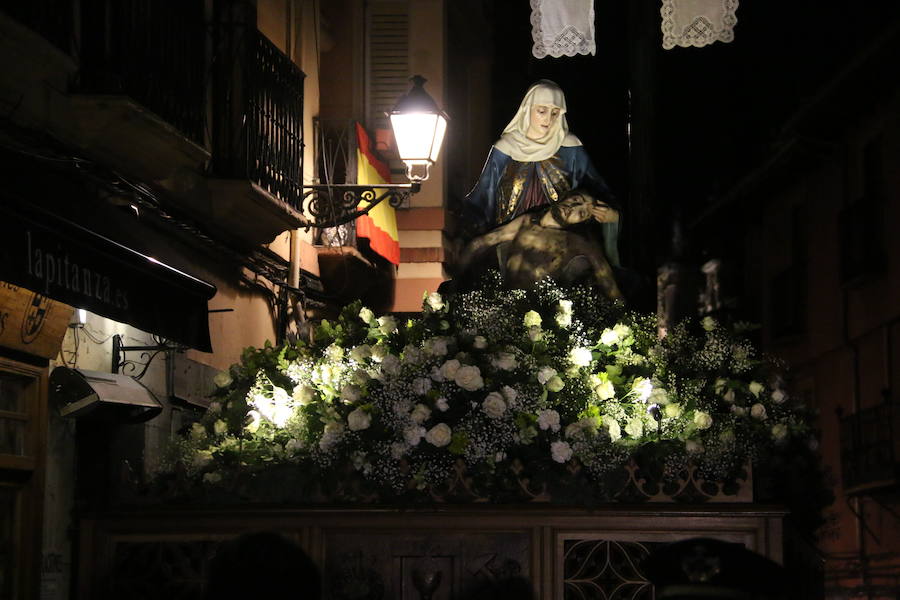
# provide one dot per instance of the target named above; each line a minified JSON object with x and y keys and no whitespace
{"x":261,"y":565}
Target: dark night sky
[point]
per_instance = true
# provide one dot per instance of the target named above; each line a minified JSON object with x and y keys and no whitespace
{"x":717,"y":109}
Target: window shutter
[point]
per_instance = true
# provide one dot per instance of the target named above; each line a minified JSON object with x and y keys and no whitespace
{"x":387,"y":59}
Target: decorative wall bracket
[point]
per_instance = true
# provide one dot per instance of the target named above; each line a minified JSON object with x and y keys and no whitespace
{"x":148,"y":354}
{"x":336,"y":204}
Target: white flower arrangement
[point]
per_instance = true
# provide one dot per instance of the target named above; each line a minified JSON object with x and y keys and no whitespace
{"x":489,"y":378}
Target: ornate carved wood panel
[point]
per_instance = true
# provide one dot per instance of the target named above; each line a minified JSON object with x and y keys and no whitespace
{"x":441,"y":553}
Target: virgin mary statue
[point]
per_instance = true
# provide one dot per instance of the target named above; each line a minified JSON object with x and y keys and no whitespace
{"x":533,"y":164}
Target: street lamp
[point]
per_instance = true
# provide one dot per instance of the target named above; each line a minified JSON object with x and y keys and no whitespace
{"x":419,"y":127}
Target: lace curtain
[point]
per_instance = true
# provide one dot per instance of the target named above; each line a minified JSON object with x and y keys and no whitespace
{"x":697,"y":23}
{"x":562,"y":27}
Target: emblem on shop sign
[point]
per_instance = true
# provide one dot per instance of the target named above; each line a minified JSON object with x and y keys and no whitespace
{"x":35,"y":317}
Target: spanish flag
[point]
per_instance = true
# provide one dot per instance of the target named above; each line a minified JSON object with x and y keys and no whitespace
{"x":380,"y":225}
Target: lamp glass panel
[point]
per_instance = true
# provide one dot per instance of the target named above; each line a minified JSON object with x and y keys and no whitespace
{"x":415,"y":135}
{"x":440,"y":130}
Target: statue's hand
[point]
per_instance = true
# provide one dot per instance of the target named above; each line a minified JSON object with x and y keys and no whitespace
{"x":604,"y":213}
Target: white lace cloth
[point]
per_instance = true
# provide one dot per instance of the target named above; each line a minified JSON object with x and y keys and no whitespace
{"x":562,"y":27}
{"x":697,"y":22}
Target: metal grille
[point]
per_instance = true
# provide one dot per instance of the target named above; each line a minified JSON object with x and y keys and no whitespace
{"x":151,"y":51}
{"x":274,"y":122}
{"x":868,"y":461}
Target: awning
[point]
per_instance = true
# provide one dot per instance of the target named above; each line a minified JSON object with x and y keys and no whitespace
{"x":65,"y":261}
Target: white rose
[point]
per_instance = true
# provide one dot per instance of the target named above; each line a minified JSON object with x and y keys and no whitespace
{"x":693,"y":447}
{"x":219,"y":427}
{"x":728,"y":396}
{"x":480,"y":342}
{"x":702,"y":420}
{"x":612,"y":426}
{"x":198,"y":432}
{"x":449,"y":368}
{"x":293,"y":446}
{"x":493,"y":405}
{"x":350,"y":393}
{"x":561,"y":451}
{"x":510,"y":395}
{"x":412,"y":355}
{"x":555,"y":384}
{"x":366,"y":315}
{"x":635,"y":427}
{"x":739,"y":411}
{"x":304,"y":394}
{"x":720,"y":385}
{"x":436,"y":346}
{"x":708,"y":323}
{"x":580,"y":357}
{"x":436,"y":375}
{"x":755,"y":388}
{"x":222,"y":379}
{"x":758,"y":411}
{"x":359,"y":420}
{"x":544,"y":374}
{"x":413,"y":434}
{"x":622,"y":330}
{"x":532,"y":319}
{"x":469,"y":378}
{"x":379,"y":351}
{"x":390,"y":365}
{"x":779,"y":396}
{"x":548,"y":419}
{"x":334,"y":352}
{"x":439,"y":435}
{"x":565,"y":307}
{"x":609,"y":337}
{"x":779,"y":431}
{"x":658,"y":396}
{"x":441,"y":404}
{"x":535,"y":333}
{"x":673,"y":411}
{"x":605,"y":390}
{"x":420,"y":414}
{"x":642,"y":388}
{"x":331,"y":435}
{"x":563,"y":319}
{"x":387,"y":324}
{"x":421,"y":385}
{"x":434,"y":301}
{"x":505,"y":361}
{"x":361,"y":353}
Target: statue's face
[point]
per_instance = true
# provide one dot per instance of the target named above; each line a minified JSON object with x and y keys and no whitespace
{"x":574,"y":209}
{"x":542,"y":118}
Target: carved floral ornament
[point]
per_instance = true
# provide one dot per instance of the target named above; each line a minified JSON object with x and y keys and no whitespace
{"x":495,"y":394}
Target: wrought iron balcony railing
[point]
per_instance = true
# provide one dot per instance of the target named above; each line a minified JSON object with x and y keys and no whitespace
{"x":153,"y":52}
{"x":868,"y":453}
{"x":258,"y":115}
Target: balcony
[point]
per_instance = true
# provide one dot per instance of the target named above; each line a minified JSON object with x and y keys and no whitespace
{"x":257,"y":138}
{"x":868,"y":452}
{"x":140,"y":102}
{"x":186,"y":97}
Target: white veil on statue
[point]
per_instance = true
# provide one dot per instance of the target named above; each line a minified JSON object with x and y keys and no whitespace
{"x":515,"y":142}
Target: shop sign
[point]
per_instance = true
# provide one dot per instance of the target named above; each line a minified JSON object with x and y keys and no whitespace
{"x":30,"y":322}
